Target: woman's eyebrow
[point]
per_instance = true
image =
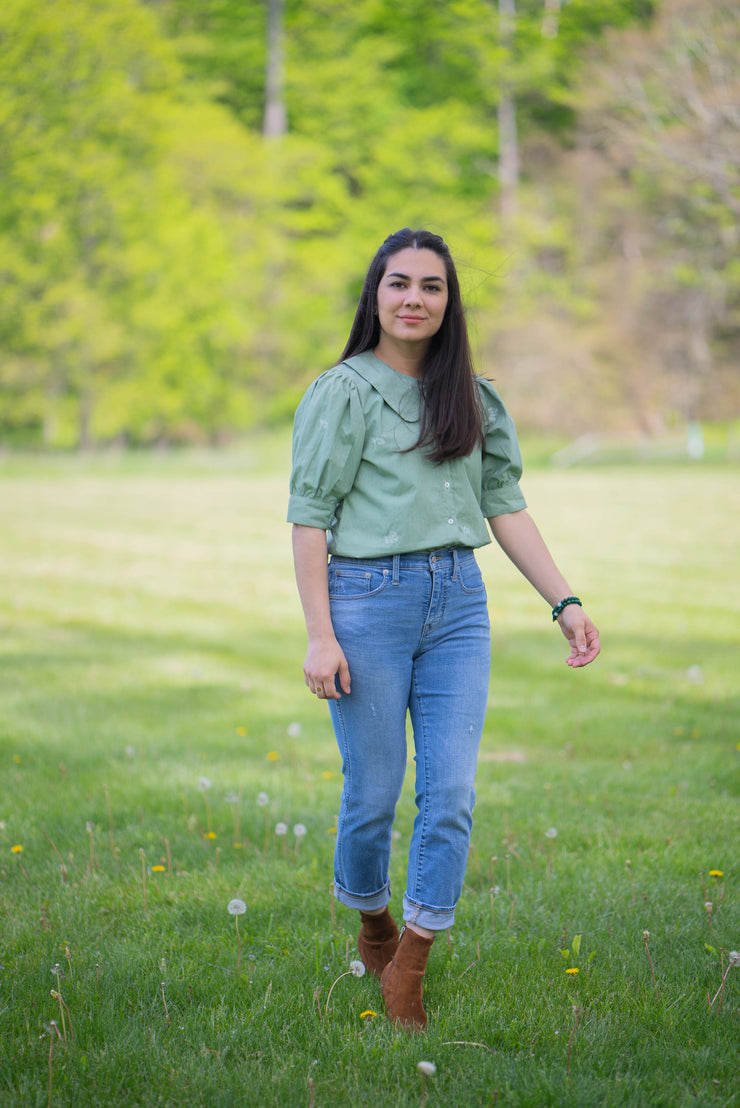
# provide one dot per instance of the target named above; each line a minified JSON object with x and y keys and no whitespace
{"x":405,"y":277}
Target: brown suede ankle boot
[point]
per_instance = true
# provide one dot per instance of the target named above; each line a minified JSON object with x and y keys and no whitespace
{"x":377,"y":941}
{"x":401,"y":981}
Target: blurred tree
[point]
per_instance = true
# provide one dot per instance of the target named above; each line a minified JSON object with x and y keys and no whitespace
{"x":111,"y":278}
{"x":665,"y":116}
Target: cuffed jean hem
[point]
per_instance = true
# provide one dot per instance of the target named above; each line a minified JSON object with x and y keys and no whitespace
{"x":367,"y":903}
{"x":430,"y":918}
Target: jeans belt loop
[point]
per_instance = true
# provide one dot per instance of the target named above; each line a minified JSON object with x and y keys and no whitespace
{"x":396,"y":568}
{"x":455,"y":564}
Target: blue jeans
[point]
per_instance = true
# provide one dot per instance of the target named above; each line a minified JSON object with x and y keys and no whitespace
{"x":415,"y":631}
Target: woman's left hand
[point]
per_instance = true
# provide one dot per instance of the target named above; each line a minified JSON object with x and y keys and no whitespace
{"x":582,"y":635}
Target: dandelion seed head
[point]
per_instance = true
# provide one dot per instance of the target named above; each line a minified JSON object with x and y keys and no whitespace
{"x":551,"y":833}
{"x":357,"y":968}
{"x":427,"y":1068}
{"x":646,"y":935}
{"x":734,"y":958}
{"x":262,"y":800}
{"x":231,"y":798}
{"x":89,"y":827}
{"x":707,"y":905}
{"x":236,"y":907}
{"x":281,"y":829}
{"x":130,"y":751}
{"x":294,"y":730}
{"x":299,"y":830}
{"x":204,"y":784}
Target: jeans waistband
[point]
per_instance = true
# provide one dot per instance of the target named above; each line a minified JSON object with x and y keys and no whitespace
{"x":428,"y":559}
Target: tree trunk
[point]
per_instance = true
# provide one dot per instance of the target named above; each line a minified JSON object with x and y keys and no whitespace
{"x":508,"y":142}
{"x":275,"y":121}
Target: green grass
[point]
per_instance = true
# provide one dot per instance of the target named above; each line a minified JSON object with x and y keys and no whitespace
{"x":150,"y":635}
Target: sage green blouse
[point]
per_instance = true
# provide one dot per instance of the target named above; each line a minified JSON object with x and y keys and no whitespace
{"x":351,"y":479}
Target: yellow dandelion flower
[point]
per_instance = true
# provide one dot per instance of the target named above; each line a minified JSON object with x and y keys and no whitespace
{"x":716,"y":873}
{"x":368,"y":1014}
{"x":211,"y":835}
{"x":573,"y":969}
{"x":272,"y":755}
{"x":157,"y":869}
{"x":16,"y":849}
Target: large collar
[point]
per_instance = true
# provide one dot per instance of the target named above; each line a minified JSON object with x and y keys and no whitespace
{"x":398,"y":390}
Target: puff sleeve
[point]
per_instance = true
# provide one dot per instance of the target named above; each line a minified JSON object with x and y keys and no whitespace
{"x":328,"y":440}
{"x":502,"y":460}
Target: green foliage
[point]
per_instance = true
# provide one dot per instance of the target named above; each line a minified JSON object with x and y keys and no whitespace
{"x":170,"y":275}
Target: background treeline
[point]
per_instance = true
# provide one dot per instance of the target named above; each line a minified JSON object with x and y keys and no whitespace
{"x":192,"y":189}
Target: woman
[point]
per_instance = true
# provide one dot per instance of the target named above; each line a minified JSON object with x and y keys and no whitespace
{"x":400,"y":454}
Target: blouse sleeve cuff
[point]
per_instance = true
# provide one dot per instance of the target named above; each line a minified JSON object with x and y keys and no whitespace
{"x":502,"y":501}
{"x":309,"y":512}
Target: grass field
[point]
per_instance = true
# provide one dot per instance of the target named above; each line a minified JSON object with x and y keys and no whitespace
{"x":151,"y":638}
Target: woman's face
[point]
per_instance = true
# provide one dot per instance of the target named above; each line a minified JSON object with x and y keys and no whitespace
{"x":412,"y":296}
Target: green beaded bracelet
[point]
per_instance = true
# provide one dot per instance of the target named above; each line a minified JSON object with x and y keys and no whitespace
{"x":564,"y":604}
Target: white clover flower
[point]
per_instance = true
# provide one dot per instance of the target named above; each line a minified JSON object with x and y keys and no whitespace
{"x":551,"y":833}
{"x":236,"y":907}
{"x":263,"y":800}
{"x":204,"y":784}
{"x":294,"y":730}
{"x":281,"y":828}
{"x":427,"y":1068}
{"x":299,"y":830}
{"x":357,"y":968}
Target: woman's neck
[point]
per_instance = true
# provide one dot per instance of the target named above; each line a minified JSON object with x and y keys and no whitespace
{"x":406,"y":358}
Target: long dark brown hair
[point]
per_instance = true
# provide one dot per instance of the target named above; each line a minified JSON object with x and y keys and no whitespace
{"x":452,"y":420}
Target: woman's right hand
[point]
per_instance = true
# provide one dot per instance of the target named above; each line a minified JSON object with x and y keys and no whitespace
{"x":325,"y":661}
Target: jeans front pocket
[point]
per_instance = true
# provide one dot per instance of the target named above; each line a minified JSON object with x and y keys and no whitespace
{"x":470,"y":577}
{"x":356,"y":582}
